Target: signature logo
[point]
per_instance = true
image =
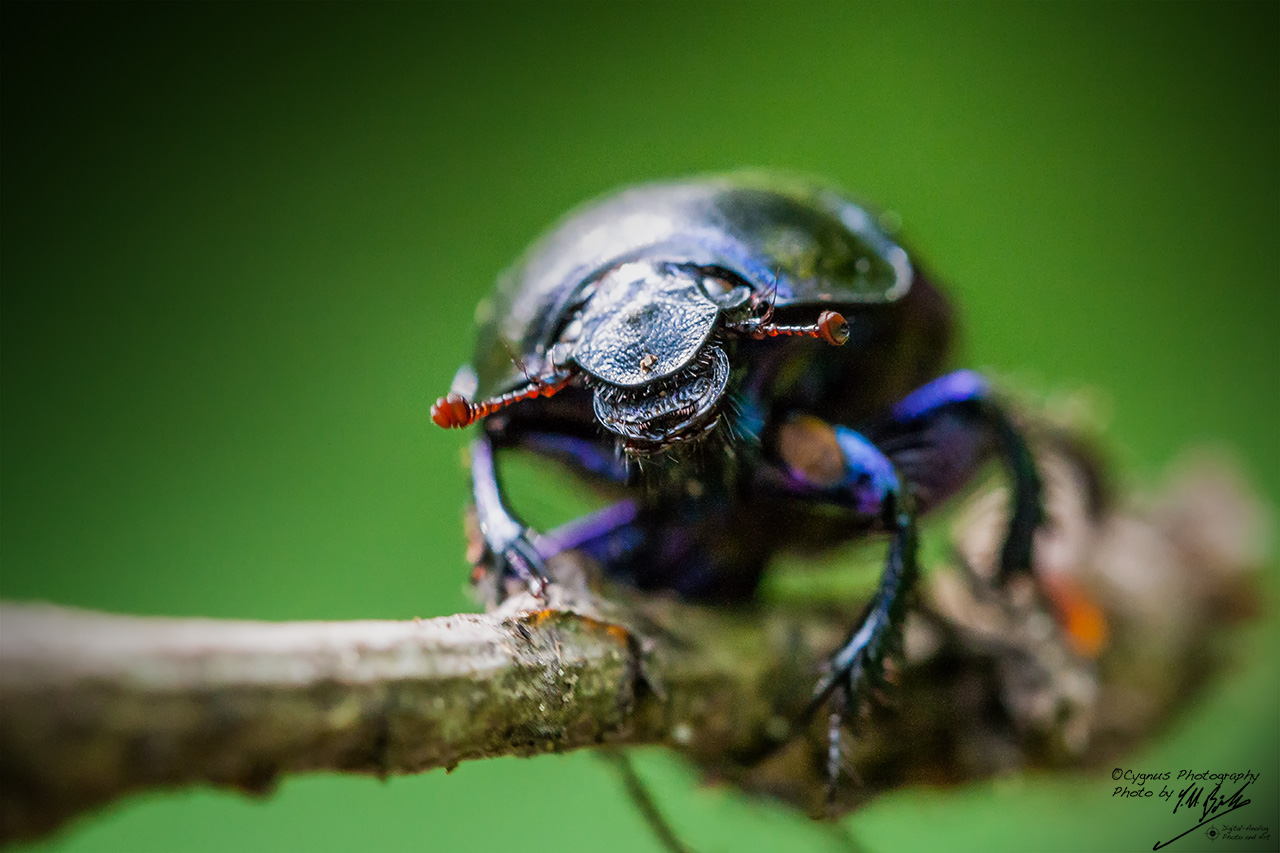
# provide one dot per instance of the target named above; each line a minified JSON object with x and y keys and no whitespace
{"x":1213,"y":806}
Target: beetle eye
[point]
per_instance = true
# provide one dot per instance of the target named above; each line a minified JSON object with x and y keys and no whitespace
{"x":573,"y":331}
{"x":725,"y":294}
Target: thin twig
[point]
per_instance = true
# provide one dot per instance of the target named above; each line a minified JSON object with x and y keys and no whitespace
{"x":639,"y":794}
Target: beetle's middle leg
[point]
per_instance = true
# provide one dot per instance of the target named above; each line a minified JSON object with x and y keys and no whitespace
{"x":836,"y":465}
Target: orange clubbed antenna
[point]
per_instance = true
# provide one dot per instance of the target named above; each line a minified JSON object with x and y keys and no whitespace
{"x":831,"y":327}
{"x":454,"y":411}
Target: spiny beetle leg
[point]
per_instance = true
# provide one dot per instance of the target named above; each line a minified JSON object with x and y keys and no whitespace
{"x":837,"y":465}
{"x":516,"y":551}
{"x":858,"y":668}
{"x":520,"y":559}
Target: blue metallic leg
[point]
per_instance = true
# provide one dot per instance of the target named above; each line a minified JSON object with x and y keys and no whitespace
{"x":932,"y":442}
{"x":873,"y":489}
{"x":967,"y":392}
{"x":958,"y":387}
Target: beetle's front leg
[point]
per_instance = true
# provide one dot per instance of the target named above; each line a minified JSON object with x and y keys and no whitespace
{"x":515,"y":551}
{"x":507,"y":540}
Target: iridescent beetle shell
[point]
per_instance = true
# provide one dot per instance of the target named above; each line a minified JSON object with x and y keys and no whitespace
{"x":800,"y":243}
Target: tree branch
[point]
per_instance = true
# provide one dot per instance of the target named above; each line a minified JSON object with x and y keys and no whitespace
{"x":96,"y":706}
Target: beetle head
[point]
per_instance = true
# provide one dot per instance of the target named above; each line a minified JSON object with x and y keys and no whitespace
{"x":645,"y":339}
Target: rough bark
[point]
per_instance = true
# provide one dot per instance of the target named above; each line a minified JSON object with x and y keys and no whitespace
{"x":96,"y":705}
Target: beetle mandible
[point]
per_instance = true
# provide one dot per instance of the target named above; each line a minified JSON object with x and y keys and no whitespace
{"x":761,"y":366}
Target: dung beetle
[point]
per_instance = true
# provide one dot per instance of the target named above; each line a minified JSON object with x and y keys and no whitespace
{"x":757,"y":366}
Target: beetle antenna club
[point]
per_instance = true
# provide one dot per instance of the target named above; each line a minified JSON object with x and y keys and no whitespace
{"x":454,"y":411}
{"x":830,"y":327}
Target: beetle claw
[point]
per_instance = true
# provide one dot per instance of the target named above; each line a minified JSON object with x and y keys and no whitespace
{"x":538,"y":587}
{"x":520,"y":560}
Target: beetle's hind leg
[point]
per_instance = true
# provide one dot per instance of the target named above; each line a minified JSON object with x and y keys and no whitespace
{"x":937,"y":436}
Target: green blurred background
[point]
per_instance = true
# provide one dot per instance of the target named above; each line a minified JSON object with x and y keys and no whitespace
{"x":242,"y":245}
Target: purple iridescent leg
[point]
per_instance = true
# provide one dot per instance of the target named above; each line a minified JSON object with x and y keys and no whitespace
{"x":506,"y":538}
{"x":597,"y":534}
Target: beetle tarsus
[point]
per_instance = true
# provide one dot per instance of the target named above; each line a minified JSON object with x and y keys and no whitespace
{"x":521,"y":561}
{"x":537,"y":585}
{"x":857,"y":670}
{"x":841,"y":700}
